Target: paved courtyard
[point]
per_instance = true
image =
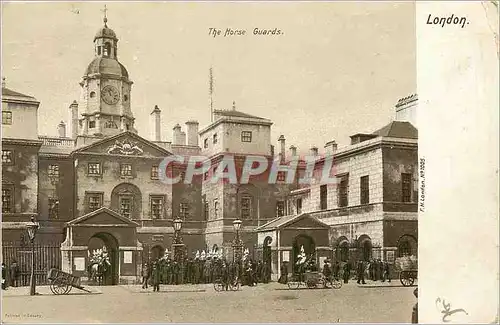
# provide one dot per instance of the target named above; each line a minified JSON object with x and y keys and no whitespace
{"x":189,"y":303}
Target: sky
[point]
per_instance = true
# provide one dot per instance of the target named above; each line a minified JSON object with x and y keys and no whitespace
{"x":337,"y":69}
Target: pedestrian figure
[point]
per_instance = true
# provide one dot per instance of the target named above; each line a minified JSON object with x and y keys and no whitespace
{"x":361,"y":272}
{"x":13,"y":273}
{"x":347,"y":272}
{"x":380,"y":269}
{"x":284,"y":273}
{"x":146,"y":272}
{"x":266,"y":273}
{"x":336,"y":270}
{"x":327,"y":271}
{"x":386,"y":272}
{"x":155,"y":276}
{"x":4,"y":276}
{"x":225,"y":276}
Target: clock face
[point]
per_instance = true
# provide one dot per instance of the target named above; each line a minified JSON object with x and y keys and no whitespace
{"x":110,"y":95}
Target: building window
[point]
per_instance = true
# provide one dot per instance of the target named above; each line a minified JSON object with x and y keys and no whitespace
{"x":94,"y":169}
{"x":91,"y":124}
{"x":7,"y":157}
{"x":246,"y":136}
{"x":126,"y":170}
{"x":406,"y":187}
{"x":206,"y":209}
{"x":343,"y":191}
{"x":92,"y":93}
{"x":53,"y":208}
{"x":205,"y":176}
{"x":184,"y":211}
{"x":182,"y":176}
{"x":126,"y":206}
{"x":54,"y":172}
{"x":107,"y":49}
{"x":94,"y":201}
{"x":216,"y":209}
{"x":110,"y":125}
{"x":215,"y":138}
{"x":157,"y":207}
{"x":155,"y":172}
{"x":205,"y":143}
{"x":246,"y":207}
{"x":280,"y":208}
{"x":298,"y":205}
{"x":6,"y":118}
{"x":365,"y":190}
{"x":7,"y":200}
{"x":281,"y":176}
{"x":323,"y":197}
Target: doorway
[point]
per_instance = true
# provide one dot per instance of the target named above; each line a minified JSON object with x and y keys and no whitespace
{"x":306,"y":242}
{"x":109,"y":242}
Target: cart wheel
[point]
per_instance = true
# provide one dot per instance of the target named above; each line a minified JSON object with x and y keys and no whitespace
{"x":311,"y":284}
{"x":218,"y":286}
{"x":58,"y":287}
{"x":68,"y":289}
{"x":406,"y":279}
{"x":293,"y":285}
{"x":235,"y":286}
{"x":322,"y":283}
{"x":336,"y":284}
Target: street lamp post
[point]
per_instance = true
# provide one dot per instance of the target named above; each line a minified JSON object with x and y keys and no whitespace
{"x":237,"y":244}
{"x":32,"y":228}
{"x":178,"y":247}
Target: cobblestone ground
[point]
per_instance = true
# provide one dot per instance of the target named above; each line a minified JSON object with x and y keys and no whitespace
{"x":201,"y":303}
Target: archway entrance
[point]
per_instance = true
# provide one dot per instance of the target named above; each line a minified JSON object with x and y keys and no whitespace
{"x":309,"y":249}
{"x":99,"y":241}
{"x":157,"y":252}
{"x":365,"y":248}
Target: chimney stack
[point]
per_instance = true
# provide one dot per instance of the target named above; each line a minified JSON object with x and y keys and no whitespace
{"x":74,"y":119}
{"x":183,"y":138}
{"x":61,"y":130}
{"x":177,"y":135}
{"x":331,"y":147}
{"x":313,"y":151}
{"x":293,"y":150}
{"x":192,"y":133}
{"x":281,"y":140}
{"x":155,"y":119}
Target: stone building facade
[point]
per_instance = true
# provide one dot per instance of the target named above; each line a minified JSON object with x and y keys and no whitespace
{"x":100,"y":184}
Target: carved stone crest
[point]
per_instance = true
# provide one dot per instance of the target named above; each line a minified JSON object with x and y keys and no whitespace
{"x":125,"y":147}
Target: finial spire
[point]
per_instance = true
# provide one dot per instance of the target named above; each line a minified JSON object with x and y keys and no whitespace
{"x":105,"y":10}
{"x":234,"y":105}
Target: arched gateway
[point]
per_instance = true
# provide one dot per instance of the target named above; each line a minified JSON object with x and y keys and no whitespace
{"x":95,"y":230}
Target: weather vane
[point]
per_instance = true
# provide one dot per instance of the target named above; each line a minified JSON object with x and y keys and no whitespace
{"x":105,"y":11}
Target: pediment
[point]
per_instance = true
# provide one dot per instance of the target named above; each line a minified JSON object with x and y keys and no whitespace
{"x":125,"y":144}
{"x":307,"y":221}
{"x":103,"y":217}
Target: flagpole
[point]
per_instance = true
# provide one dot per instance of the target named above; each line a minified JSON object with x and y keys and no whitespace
{"x":211,"y":91}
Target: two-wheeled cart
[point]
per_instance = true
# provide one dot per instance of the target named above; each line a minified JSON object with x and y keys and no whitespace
{"x":61,"y":282}
{"x":408,"y":277}
{"x":313,"y":280}
{"x":219,"y":285}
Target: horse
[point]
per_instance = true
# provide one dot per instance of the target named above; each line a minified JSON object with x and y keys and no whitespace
{"x":97,"y":272}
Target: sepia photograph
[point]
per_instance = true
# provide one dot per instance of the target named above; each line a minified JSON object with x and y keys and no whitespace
{"x":211,"y":162}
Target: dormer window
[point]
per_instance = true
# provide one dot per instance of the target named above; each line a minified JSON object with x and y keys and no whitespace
{"x":205,"y":143}
{"x":215,"y":138}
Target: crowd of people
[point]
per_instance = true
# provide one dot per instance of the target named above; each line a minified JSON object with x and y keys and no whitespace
{"x":10,"y":275}
{"x":198,"y":271}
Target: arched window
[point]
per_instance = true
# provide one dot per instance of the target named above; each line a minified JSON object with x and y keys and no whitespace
{"x":107,"y":49}
{"x":205,"y":143}
{"x":92,"y":94}
{"x":216,"y":209}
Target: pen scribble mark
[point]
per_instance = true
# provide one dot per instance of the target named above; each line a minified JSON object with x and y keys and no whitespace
{"x":446,"y":309}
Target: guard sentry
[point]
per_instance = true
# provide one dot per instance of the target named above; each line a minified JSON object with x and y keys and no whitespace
{"x":451,"y":20}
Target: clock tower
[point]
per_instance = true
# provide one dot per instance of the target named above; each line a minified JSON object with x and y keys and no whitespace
{"x":105,"y":97}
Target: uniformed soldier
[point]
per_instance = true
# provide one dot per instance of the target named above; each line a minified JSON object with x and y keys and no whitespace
{"x":327,"y":270}
{"x":259,"y":272}
{"x":284,"y":273}
{"x":13,"y":273}
{"x":266,"y":273}
{"x":225,"y":275}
